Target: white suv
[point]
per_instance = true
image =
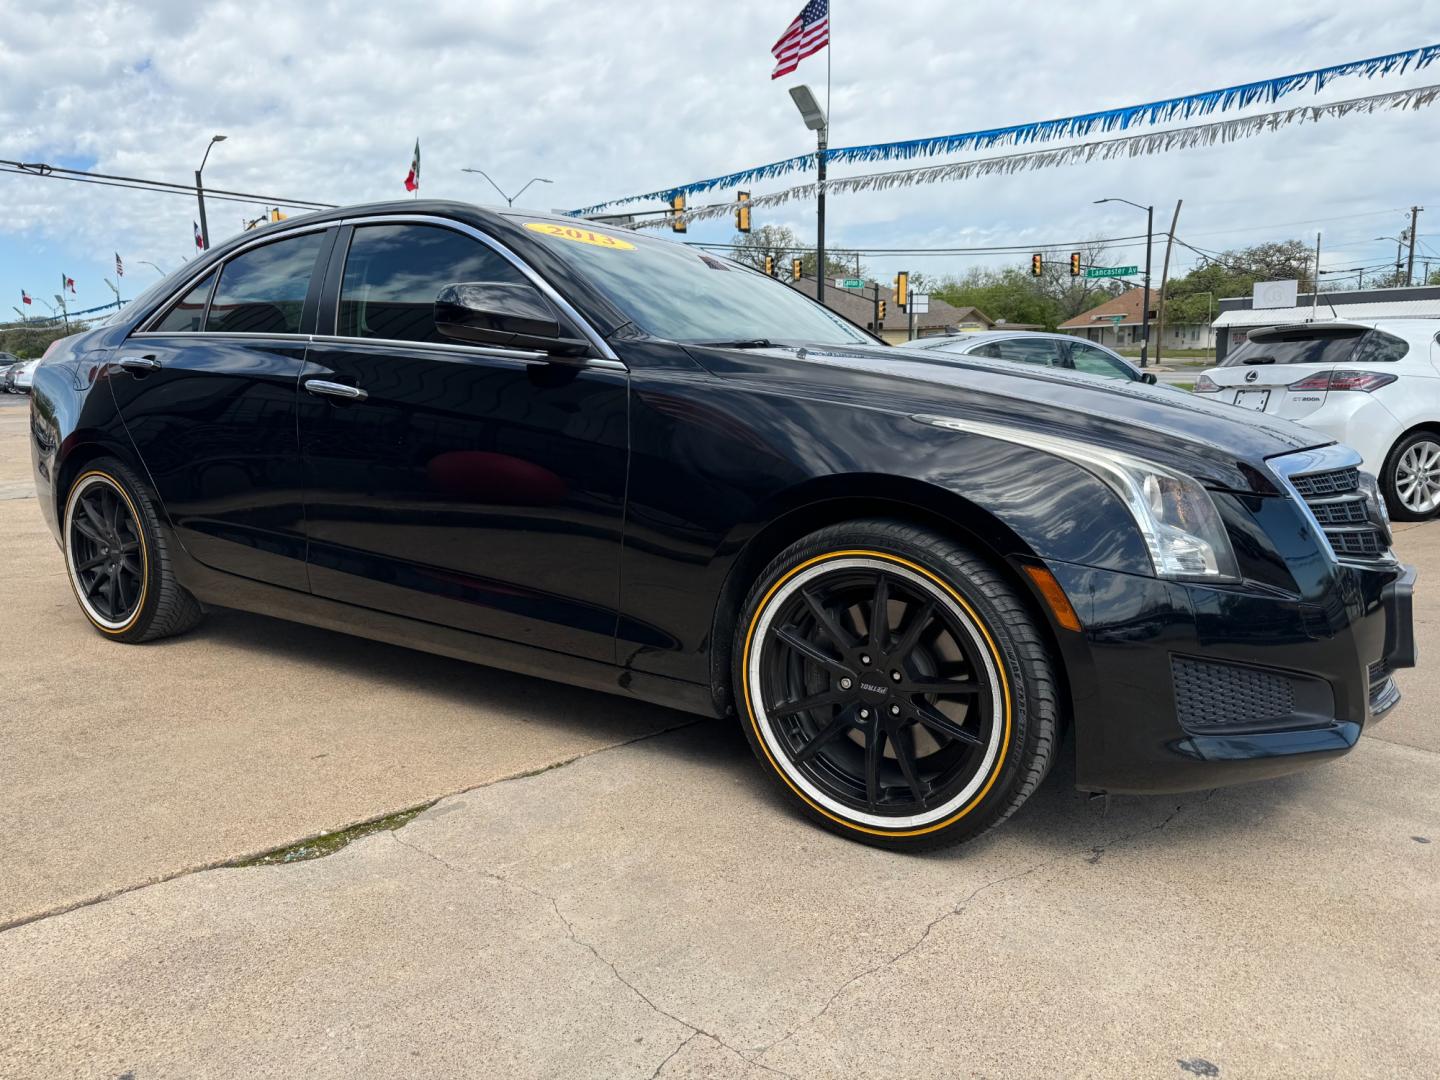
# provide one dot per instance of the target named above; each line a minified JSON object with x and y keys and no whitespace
{"x":1373,"y":384}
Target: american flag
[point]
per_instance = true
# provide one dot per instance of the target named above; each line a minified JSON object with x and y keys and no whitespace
{"x":807,"y":35}
{"x":119,"y":266}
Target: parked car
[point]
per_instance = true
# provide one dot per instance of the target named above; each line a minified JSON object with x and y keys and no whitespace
{"x":605,"y":458}
{"x":1044,"y":350}
{"x":1371,"y":384}
{"x":19,"y":376}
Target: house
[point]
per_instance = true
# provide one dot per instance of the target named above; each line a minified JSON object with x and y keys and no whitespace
{"x":1117,"y":322}
{"x":858,"y":305}
{"x":1238,"y":315}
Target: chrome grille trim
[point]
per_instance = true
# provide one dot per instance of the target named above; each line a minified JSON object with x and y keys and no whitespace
{"x":1326,"y":484}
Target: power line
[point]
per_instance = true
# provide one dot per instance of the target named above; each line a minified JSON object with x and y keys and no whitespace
{"x":136,"y":183}
{"x":993,"y":249}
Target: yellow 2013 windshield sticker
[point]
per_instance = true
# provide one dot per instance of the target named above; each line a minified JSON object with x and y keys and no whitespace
{"x":580,"y":236}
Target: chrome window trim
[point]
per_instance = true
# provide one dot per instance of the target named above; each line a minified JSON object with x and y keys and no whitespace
{"x":218,"y":335}
{"x":495,"y":245}
{"x":527,"y":356}
{"x":1318,"y":459}
{"x":216,"y":267}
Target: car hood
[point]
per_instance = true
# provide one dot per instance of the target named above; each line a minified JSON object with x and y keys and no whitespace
{"x":1219,"y":444}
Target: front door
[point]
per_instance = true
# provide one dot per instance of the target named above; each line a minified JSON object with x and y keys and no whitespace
{"x":207,"y":393}
{"x":471,"y":487}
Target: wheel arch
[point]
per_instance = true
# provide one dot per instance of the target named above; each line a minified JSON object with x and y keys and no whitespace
{"x":81,"y":451}
{"x":849,"y":498}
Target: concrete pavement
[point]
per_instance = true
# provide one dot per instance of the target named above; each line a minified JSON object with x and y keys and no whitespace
{"x":651,"y":908}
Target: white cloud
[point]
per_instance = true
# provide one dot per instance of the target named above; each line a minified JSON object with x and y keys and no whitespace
{"x":324,"y":101}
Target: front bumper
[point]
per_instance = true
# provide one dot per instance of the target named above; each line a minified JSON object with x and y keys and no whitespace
{"x":1178,"y":687}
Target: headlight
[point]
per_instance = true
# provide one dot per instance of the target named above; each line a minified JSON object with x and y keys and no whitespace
{"x":1174,"y":513}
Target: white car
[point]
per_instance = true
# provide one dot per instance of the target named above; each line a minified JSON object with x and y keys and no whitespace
{"x":25,"y":376}
{"x":1373,"y":384}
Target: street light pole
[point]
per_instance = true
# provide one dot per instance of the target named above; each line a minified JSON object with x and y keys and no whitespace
{"x":200,"y":190}
{"x":158,"y":270}
{"x":510,"y":199}
{"x":1149,"y":243}
{"x":815,"y":120}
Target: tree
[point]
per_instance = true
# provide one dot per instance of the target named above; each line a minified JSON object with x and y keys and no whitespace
{"x":1017,"y":296}
{"x":1234,"y":273}
{"x":782,"y":244}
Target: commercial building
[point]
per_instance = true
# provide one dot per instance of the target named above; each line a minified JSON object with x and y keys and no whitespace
{"x":1239,"y":316}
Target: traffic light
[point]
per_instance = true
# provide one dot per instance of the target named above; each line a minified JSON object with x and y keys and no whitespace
{"x":796,"y":267}
{"x":742,"y":212}
{"x":1074,"y":264}
{"x":677,"y":207}
{"x":902,"y":289}
{"x":769,"y":265}
{"x":880,"y":311}
{"x":1037,"y":265}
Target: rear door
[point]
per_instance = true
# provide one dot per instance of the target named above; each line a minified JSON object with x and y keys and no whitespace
{"x":1263,"y":372}
{"x":474,"y":487}
{"x":207,"y":392}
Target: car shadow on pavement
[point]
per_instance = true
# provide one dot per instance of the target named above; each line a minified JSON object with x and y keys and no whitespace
{"x":1057,"y":819}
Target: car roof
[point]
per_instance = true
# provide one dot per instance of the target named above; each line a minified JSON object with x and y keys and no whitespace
{"x":992,"y":335}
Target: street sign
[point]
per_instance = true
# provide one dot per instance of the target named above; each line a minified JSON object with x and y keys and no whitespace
{"x":1117,"y":319}
{"x":849,"y":283}
{"x":1111,"y":271}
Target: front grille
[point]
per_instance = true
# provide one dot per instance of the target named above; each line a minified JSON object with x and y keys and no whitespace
{"x":1343,"y":511}
{"x":1209,"y":695}
{"x":1320,"y":484}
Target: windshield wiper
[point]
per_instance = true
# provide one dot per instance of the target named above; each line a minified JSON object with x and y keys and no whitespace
{"x":750,"y":343}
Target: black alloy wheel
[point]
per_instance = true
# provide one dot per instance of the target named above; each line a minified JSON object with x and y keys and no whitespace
{"x":107,"y":554}
{"x":116,"y":554}
{"x":896,"y":685}
{"x":877,"y":693}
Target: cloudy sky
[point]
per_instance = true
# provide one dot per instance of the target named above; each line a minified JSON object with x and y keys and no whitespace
{"x":325,"y":101}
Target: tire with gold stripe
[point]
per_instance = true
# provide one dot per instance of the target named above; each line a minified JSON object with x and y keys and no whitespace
{"x":117,"y":559}
{"x":895,"y":685}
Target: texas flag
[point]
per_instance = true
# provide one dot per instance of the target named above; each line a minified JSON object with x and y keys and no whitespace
{"x":25,"y":297}
{"x":412,"y":178}
{"x":69,"y":283}
{"x":199,"y":240}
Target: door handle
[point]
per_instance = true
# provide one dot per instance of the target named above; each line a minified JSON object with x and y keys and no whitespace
{"x":335,"y":389}
{"x":139,"y":363}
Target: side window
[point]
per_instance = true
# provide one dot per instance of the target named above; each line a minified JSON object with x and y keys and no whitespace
{"x":262,"y":291}
{"x":184,"y":317}
{"x":991,"y":350}
{"x":1041,"y":351}
{"x":1379,"y":347}
{"x":394,"y":272}
{"x":1089,"y":359}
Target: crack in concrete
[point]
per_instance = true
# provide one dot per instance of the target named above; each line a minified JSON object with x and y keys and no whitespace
{"x":1092,"y":856}
{"x":231,"y":862}
{"x":661,"y":1067}
{"x":694,"y":1029}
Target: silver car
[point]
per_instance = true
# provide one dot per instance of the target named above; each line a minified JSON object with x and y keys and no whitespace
{"x":1043,"y":350}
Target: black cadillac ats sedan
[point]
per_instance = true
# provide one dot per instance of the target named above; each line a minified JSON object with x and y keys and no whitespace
{"x":624,"y":463}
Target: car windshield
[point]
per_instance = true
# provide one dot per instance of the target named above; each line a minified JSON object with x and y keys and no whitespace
{"x":682,"y":294}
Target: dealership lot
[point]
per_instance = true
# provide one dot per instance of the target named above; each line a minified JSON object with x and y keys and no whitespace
{"x":648,"y":908}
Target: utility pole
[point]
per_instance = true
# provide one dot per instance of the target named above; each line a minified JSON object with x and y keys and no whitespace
{"x":820,"y":157}
{"x":1164,"y":274}
{"x":1315,"y":285}
{"x":1410,"y":265}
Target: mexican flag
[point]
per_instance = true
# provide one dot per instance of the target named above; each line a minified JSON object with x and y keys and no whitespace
{"x":412,"y":178}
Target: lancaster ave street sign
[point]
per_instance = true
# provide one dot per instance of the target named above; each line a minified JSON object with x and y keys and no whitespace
{"x":1111,"y":271}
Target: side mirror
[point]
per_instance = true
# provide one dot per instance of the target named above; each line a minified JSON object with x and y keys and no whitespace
{"x":503,"y":313}
{"x":1148,"y":377}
